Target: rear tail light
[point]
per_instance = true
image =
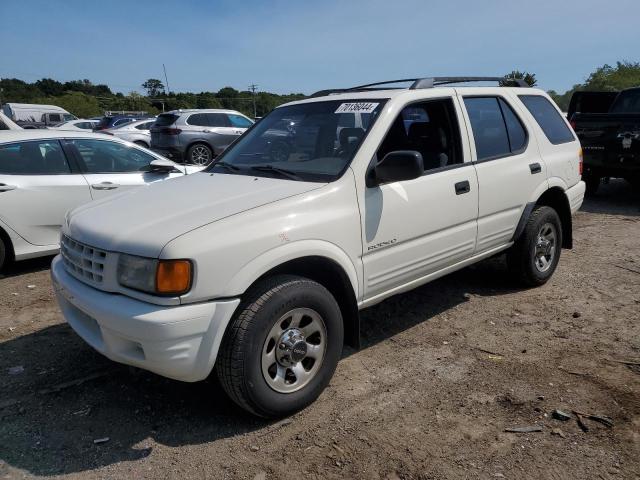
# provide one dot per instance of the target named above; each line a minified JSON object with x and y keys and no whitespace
{"x":171,"y":131}
{"x":580,"y":160}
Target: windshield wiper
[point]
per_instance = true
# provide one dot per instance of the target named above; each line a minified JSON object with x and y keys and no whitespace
{"x":270,"y":168}
{"x":226,"y":165}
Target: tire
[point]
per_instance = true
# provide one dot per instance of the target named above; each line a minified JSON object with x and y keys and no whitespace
{"x":3,"y":253}
{"x":199,"y":154}
{"x":535,"y":255}
{"x":635,"y":182}
{"x":592,"y":183}
{"x":259,"y":353}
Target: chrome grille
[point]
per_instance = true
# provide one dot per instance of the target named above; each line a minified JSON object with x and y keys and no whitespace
{"x":83,"y":261}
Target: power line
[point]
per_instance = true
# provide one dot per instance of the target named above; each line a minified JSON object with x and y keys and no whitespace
{"x":253,"y":88}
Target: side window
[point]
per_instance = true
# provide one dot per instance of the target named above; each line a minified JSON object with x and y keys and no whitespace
{"x":549,"y":119}
{"x":515,"y":129}
{"x":430,"y":128}
{"x":103,"y":156}
{"x":489,"y":130}
{"x":55,"y":117}
{"x":198,"y":119}
{"x":218,"y":120}
{"x":239,"y":121}
{"x":33,"y":158}
{"x":144,"y":126}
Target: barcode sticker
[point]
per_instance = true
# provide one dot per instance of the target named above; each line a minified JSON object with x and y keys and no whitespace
{"x":359,"y":107}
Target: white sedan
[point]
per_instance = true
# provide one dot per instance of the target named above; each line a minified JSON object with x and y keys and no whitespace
{"x":45,"y":173}
{"x":77,"y":125}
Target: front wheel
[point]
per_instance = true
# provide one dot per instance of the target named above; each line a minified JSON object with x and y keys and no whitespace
{"x":199,"y":154}
{"x":282,"y":347}
{"x":535,"y":255}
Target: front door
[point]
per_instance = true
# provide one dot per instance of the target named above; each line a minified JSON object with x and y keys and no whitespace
{"x":37,"y":188}
{"x":417,"y":227}
{"x":110,"y":167}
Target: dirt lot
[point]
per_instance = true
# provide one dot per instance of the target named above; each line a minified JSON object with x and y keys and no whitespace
{"x":444,"y":370}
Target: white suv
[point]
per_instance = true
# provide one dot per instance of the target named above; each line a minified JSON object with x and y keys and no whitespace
{"x":259,"y":265}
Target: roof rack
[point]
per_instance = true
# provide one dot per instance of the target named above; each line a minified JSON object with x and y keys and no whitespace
{"x":427,"y":82}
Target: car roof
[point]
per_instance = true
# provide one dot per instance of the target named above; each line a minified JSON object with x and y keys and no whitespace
{"x":387,"y":94}
{"x":7,"y":136}
{"x":201,"y":110}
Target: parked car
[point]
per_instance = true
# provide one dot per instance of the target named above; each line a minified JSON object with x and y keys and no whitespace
{"x":610,"y":140}
{"x":82,"y":125}
{"x":44,"y":173}
{"x":135,"y":132}
{"x":113,"y":121}
{"x":196,"y":136}
{"x":258,"y":267}
{"x":29,"y":115}
{"x":7,"y":124}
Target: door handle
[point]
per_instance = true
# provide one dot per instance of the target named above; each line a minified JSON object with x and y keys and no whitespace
{"x":463,"y":187}
{"x":6,"y":188}
{"x":535,"y":168}
{"x":104,"y":186}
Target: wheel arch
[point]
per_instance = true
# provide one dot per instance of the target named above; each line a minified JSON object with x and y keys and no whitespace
{"x":555,"y":198}
{"x":10,"y":254}
{"x":329,"y":273}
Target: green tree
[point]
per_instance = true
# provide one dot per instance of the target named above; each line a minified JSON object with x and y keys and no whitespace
{"x":530,"y":78}
{"x":154,"y":87}
{"x":623,"y":75}
{"x":78,"y":103}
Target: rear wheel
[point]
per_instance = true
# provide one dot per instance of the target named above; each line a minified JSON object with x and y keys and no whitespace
{"x":535,"y":255}
{"x":282,"y":347}
{"x":199,"y":154}
{"x":3,"y":253}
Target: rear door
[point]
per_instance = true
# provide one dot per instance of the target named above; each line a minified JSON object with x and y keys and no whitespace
{"x":111,"y":166}
{"x":38,"y":185}
{"x":507,"y":162}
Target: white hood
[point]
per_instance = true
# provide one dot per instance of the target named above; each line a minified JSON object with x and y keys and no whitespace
{"x":143,"y":220}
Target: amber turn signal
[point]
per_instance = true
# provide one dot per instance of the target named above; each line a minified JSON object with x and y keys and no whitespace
{"x":173,"y":277}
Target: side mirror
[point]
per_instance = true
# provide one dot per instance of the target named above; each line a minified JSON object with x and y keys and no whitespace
{"x":162,"y":166}
{"x":395,"y":167}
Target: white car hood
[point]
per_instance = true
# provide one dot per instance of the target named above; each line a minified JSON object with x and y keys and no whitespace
{"x":143,"y":220}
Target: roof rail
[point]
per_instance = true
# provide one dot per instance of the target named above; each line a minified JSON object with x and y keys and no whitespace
{"x":427,"y":82}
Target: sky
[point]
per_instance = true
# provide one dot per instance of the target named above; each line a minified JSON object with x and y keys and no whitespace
{"x":287,"y":46}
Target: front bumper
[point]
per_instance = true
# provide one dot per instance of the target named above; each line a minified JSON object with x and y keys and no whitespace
{"x":179,"y":342}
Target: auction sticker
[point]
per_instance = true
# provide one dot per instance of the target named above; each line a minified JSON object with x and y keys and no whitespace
{"x":358,"y":107}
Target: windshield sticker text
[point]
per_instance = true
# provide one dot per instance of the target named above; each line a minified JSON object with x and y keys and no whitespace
{"x":359,"y":107}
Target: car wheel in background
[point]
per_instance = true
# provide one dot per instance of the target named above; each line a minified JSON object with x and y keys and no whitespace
{"x":535,"y":255}
{"x":199,"y":154}
{"x":282,"y":347}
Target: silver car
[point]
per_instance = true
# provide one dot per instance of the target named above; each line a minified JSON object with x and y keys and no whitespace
{"x":137,"y":132}
{"x":196,"y":136}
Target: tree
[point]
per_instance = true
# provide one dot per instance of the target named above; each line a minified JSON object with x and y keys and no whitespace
{"x":154,"y":87}
{"x":623,"y":75}
{"x":530,"y":78}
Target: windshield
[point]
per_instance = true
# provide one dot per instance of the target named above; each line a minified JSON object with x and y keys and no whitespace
{"x":627,"y":102}
{"x":309,"y":141}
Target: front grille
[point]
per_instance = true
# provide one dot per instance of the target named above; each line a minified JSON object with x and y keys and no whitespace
{"x":82,"y":261}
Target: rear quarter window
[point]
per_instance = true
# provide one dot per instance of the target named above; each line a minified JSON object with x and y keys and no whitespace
{"x":549,"y":119}
{"x":165,"y":119}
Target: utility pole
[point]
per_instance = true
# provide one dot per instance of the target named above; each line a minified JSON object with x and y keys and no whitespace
{"x":166,"y":80}
{"x":253,"y":88}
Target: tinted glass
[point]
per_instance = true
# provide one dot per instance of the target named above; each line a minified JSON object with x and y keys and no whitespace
{"x":103,"y":156}
{"x":489,"y":131}
{"x":305,"y":140}
{"x":198,"y":119}
{"x":549,"y":119}
{"x":517,"y":133}
{"x":430,"y":128}
{"x":33,"y":158}
{"x":55,"y":117}
{"x":239,"y":121}
{"x":144,"y":126}
{"x":218,"y":120}
{"x":165,"y":119}
{"x":627,"y":102}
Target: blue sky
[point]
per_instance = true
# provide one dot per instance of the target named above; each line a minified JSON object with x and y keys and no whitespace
{"x":302,"y":46}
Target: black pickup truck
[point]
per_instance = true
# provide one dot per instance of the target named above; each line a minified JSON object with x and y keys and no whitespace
{"x":608,"y":126}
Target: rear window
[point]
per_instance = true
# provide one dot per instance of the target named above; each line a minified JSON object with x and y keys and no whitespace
{"x":165,"y":119}
{"x":549,"y":119}
{"x":627,"y":102}
{"x":198,"y":119}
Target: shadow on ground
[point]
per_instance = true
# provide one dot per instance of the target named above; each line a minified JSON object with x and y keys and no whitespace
{"x":617,"y":197}
{"x":26,"y":266}
{"x":48,"y":422}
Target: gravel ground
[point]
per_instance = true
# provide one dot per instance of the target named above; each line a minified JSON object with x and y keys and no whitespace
{"x":444,"y":370}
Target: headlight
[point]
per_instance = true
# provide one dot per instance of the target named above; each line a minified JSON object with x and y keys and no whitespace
{"x":164,"y":277}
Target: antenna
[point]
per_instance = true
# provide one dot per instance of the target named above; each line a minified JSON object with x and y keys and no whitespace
{"x":166,"y":80}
